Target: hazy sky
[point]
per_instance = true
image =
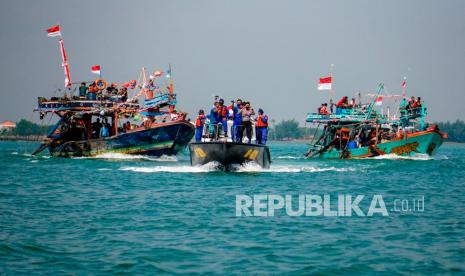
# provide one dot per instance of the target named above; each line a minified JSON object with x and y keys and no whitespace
{"x":270,"y":52}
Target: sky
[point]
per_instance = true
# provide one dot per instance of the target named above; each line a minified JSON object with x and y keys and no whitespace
{"x":269,"y":52}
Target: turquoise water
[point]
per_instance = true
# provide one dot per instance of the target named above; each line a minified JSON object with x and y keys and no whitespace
{"x":122,"y":214}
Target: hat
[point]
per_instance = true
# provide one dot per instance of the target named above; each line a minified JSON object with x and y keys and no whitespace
{"x":221,"y":101}
{"x":260,"y":110}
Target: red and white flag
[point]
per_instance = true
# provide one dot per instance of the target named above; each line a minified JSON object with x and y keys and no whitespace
{"x":64,"y":63}
{"x":95,"y":69}
{"x":157,"y":73}
{"x":54,"y":31}
{"x":325,"y":83}
{"x":379,"y":100}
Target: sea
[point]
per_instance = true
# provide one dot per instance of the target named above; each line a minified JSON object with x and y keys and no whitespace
{"x":123,"y":214}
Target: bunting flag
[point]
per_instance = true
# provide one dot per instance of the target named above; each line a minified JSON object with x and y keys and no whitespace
{"x":404,"y":83}
{"x":325,"y":83}
{"x":54,"y":31}
{"x":95,"y":69}
{"x":64,"y":64}
{"x":379,"y":100}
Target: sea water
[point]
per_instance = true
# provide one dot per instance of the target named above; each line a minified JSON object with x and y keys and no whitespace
{"x":119,"y":213}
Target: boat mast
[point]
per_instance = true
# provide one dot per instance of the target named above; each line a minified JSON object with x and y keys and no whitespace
{"x":372,"y":104}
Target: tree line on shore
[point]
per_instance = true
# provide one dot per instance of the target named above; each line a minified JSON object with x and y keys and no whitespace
{"x":284,"y":130}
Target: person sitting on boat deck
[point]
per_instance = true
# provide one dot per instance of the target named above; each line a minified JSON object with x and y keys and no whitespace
{"x":83,"y":90}
{"x":261,"y":128}
{"x":92,"y":92}
{"x":105,"y":130}
{"x":124,"y":94}
{"x":199,"y":123}
{"x":343,"y":103}
{"x":96,"y":126}
{"x":127,"y":126}
{"x":247,"y":112}
{"x":323,"y":110}
{"x":236,"y":131}
{"x":352,"y":103}
{"x":352,"y":144}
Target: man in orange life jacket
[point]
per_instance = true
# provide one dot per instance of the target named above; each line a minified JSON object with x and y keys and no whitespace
{"x":261,"y":127}
{"x":199,"y":122}
{"x":223,"y":115}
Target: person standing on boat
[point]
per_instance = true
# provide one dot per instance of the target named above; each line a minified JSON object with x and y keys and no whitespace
{"x":215,"y":119}
{"x":83,"y":90}
{"x":105,"y":130}
{"x":247,"y":112}
{"x":261,"y":127}
{"x":223,"y":115}
{"x":199,"y":123}
{"x":237,"y":122}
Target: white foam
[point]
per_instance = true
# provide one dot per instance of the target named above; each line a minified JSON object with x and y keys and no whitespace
{"x":174,"y":169}
{"x":124,"y":156}
{"x":254,"y":167}
{"x":288,"y":157}
{"x":416,"y":156}
{"x":14,"y":153}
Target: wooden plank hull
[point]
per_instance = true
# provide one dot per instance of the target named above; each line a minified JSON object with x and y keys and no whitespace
{"x":166,"y":139}
{"x":423,"y":142}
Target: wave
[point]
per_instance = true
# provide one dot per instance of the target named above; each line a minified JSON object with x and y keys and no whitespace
{"x":416,"y":156}
{"x":253,"y":167}
{"x":288,"y":157}
{"x":210,"y":167}
{"x":246,"y":168}
{"x":124,"y":156}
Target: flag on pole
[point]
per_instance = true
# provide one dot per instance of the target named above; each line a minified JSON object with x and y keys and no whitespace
{"x":95,"y":69}
{"x":379,"y":100}
{"x":325,"y":83}
{"x":157,"y":73}
{"x":65,"y":64}
{"x":54,"y":31}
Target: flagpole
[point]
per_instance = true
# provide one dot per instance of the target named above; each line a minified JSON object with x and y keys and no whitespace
{"x":331,"y":92}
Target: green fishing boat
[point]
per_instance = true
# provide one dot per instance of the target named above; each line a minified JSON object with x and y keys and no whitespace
{"x":359,"y":131}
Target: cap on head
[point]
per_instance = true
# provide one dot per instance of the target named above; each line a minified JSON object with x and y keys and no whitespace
{"x":260,"y":111}
{"x":221,"y":101}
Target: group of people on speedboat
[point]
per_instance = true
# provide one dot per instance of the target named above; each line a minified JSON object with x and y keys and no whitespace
{"x":241,"y":113}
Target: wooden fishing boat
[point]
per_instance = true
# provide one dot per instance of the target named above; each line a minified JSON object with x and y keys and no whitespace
{"x":361,"y":132}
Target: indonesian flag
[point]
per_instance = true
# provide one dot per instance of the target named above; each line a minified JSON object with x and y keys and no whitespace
{"x":54,"y":31}
{"x":95,"y":69}
{"x":325,"y":83}
{"x":379,"y":100}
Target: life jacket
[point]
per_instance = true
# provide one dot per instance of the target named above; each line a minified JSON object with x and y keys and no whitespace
{"x":262,"y":121}
{"x":200,"y":121}
{"x":222,"y":111}
{"x":323,"y":110}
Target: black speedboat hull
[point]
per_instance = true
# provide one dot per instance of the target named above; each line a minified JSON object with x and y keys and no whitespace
{"x":229,"y":153}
